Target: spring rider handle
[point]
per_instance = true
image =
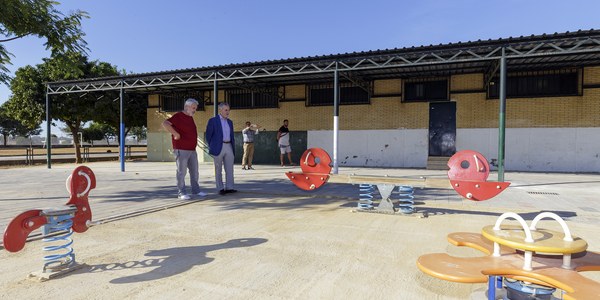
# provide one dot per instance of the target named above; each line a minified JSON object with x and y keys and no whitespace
{"x":82,"y":180}
{"x":20,"y":227}
{"x":79,"y":184}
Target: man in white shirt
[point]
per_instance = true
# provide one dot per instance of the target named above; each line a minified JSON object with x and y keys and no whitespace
{"x":283,"y":139}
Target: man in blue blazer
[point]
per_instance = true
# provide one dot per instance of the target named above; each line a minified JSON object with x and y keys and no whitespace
{"x":221,"y":146}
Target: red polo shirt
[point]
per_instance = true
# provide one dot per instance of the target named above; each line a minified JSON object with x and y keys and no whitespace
{"x":186,"y":127}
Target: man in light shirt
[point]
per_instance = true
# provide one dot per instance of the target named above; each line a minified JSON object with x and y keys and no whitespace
{"x":248,"y":134}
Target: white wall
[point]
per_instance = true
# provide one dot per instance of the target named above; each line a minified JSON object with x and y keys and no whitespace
{"x":527,"y":149}
{"x":538,"y":149}
{"x":162,"y":148}
{"x":406,"y":148}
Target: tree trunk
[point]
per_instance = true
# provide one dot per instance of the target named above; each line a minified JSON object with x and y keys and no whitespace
{"x":76,"y":143}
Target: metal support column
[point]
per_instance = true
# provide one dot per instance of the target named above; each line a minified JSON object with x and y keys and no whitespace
{"x":336,"y":113}
{"x":121,"y":130}
{"x":215,"y":95}
{"x":502,"y":116}
{"x":48,"y":131}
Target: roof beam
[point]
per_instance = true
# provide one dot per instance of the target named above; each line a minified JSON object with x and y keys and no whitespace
{"x":452,"y":55}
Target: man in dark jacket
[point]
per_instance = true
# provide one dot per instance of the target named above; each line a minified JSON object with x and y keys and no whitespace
{"x":221,"y":146}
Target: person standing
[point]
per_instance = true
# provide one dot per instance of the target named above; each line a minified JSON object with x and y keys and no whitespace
{"x":184,"y":137}
{"x":221,"y":146}
{"x":283,"y":139}
{"x":248,"y":134}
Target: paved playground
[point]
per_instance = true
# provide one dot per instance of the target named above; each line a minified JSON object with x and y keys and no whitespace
{"x":268,"y":241}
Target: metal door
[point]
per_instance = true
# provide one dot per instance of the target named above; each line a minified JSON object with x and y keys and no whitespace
{"x":442,"y":128}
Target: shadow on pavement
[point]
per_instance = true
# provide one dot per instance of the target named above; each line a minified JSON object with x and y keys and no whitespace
{"x":171,"y":261}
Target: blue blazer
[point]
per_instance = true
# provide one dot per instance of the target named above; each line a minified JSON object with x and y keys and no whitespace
{"x":214,"y":135}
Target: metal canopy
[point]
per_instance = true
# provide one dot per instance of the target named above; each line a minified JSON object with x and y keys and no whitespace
{"x":569,"y":49}
{"x":534,"y":52}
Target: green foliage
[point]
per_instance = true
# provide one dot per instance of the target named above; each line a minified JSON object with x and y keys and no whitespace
{"x":28,"y":99}
{"x":92,"y":134}
{"x":107,"y":131}
{"x":19,"y":18}
{"x":139,"y":132}
{"x":134,"y":111}
{"x":27,"y":102}
{"x":9,"y":126}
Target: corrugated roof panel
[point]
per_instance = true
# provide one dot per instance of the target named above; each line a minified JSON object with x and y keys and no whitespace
{"x":556,"y":49}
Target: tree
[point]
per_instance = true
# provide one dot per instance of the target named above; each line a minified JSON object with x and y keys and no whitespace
{"x":106,"y":131}
{"x":39,"y":18}
{"x":27,"y":102}
{"x":107,"y":111}
{"x":9,"y":126}
{"x":139,"y":132}
{"x":92,"y":134}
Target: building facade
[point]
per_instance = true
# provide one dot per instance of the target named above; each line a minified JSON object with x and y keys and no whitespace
{"x":400,"y":107}
{"x":557,"y":132}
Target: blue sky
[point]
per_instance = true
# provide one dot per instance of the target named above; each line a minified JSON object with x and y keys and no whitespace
{"x":147,"y":36}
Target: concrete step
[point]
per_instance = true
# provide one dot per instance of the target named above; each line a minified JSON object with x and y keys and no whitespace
{"x":437,"y":162}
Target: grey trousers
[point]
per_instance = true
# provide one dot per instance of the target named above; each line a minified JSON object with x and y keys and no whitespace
{"x":224,"y":159}
{"x":186,"y":159}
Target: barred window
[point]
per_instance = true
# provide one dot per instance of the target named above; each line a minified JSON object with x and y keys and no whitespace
{"x":419,"y":90}
{"x":263,"y":98}
{"x":322,"y":94}
{"x":537,"y":84}
{"x":173,"y":102}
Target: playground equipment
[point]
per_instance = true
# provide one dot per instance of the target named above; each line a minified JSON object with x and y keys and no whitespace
{"x":522,"y":262}
{"x":57,"y":225}
{"x":468,"y":173}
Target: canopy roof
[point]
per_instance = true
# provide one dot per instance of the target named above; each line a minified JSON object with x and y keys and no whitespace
{"x":535,"y":52}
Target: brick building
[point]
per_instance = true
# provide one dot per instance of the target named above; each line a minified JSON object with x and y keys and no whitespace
{"x":406,"y":107}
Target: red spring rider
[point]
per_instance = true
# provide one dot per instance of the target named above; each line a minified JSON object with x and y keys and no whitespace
{"x":58,"y":223}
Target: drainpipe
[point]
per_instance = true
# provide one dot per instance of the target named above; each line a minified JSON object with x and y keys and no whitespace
{"x":48,"y":131}
{"x":336,"y":113}
{"x":502,"y":116}
{"x":121,"y":130}
{"x":215,"y":96}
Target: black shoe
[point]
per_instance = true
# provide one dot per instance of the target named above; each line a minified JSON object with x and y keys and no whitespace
{"x":230,"y":191}
{"x":244,"y":168}
{"x":250,"y":168}
{"x":222,"y":192}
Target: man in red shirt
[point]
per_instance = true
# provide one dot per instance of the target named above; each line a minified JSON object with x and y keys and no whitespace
{"x":184,"y":137}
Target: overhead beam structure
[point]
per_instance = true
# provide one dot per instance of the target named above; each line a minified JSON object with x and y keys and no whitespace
{"x":579,"y":48}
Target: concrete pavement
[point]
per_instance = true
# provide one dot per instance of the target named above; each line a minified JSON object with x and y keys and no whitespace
{"x":291,"y":243}
{"x":149,"y":186}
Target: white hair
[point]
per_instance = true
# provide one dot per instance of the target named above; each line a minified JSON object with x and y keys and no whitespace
{"x":190,"y":101}
{"x":223,"y":104}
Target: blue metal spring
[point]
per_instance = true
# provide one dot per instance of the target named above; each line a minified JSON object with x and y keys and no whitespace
{"x":58,"y":223}
{"x":520,"y":290}
{"x":365,"y":199}
{"x":405,"y":196}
